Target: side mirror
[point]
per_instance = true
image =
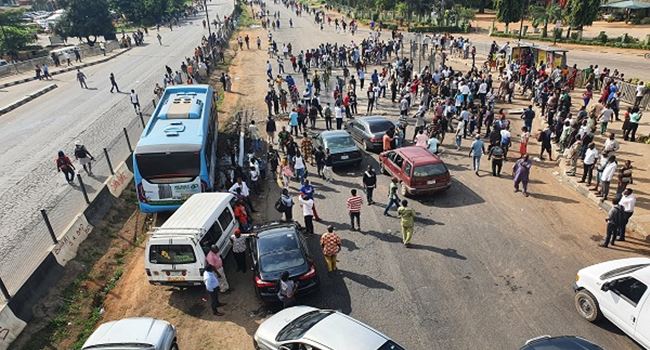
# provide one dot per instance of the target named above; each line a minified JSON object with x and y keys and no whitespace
{"x":606,"y":286}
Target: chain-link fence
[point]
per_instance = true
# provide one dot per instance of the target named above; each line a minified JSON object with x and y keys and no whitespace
{"x":46,"y":227}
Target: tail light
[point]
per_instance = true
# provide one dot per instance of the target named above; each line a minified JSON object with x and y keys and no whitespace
{"x":167,"y":273}
{"x":309,"y":274}
{"x":375,"y":139}
{"x":140,"y":190}
{"x":263,"y":284}
{"x":184,"y":273}
{"x":148,"y":272}
{"x":204,"y":186}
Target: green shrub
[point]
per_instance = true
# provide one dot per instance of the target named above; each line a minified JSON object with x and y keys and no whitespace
{"x":602,"y":37}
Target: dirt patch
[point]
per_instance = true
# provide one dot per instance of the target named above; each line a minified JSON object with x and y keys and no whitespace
{"x":69,"y":312}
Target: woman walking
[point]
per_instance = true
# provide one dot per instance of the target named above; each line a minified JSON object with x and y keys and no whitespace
{"x":521,"y":171}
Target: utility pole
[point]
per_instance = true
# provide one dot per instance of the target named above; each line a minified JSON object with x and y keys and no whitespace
{"x":207,"y":19}
{"x":524,"y":5}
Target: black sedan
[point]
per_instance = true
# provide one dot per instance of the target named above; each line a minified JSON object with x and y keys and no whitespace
{"x":565,"y":342}
{"x":276,"y":248}
{"x":341,"y":145}
{"x":369,"y":131}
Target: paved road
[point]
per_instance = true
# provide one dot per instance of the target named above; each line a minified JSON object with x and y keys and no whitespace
{"x":489,"y":268}
{"x":33,"y":134}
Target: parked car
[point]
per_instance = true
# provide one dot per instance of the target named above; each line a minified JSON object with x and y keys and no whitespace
{"x":417,"y":169}
{"x":369,"y":131}
{"x":618,"y":290}
{"x":4,"y":66}
{"x":342,"y":147}
{"x":565,"y":342}
{"x":133,"y":333}
{"x":305,"y":327}
{"x":279,"y":247}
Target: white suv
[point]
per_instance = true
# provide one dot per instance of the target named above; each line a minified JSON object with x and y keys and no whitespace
{"x":618,"y":290}
{"x":133,"y":333}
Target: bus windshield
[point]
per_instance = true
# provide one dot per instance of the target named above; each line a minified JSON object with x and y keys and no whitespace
{"x":162,"y":167}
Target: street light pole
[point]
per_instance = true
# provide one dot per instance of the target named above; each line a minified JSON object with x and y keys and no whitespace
{"x":207,"y":18}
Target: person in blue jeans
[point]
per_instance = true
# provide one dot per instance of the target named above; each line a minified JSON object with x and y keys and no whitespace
{"x":476,"y":151}
{"x":393,"y":199}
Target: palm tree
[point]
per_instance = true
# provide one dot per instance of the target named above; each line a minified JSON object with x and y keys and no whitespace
{"x":545,"y":15}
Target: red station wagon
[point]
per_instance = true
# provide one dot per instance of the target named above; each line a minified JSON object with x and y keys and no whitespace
{"x":417,"y":169}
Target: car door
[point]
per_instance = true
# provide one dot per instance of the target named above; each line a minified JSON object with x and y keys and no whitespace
{"x":642,"y":331}
{"x":388,"y":161}
{"x":353,"y":129}
{"x":621,"y":302}
{"x":406,"y":173}
{"x":397,"y":164}
{"x":228,"y":225}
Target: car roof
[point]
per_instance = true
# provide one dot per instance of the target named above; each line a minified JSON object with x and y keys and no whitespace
{"x":339,"y":331}
{"x":332,"y":133}
{"x":374,"y":118}
{"x":419,"y":155}
{"x":199,"y":209}
{"x":565,"y":342}
{"x":143,"y":330}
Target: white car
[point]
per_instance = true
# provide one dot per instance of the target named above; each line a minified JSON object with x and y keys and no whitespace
{"x":133,"y":333}
{"x":308,"y":328}
{"x":618,"y":290}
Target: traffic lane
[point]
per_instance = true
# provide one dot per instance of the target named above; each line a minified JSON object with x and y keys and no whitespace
{"x":476,"y":267}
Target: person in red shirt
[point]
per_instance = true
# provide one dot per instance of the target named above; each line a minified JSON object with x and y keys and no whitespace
{"x":241,"y":215}
{"x":63,"y":164}
{"x":387,"y":141}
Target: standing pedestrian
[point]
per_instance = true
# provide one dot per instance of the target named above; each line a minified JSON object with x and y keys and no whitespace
{"x":459,"y":133}
{"x":329,"y":162}
{"x":393,"y":199}
{"x":299,"y":167}
{"x":354,"y":203}
{"x":239,"y":248}
{"x":588,"y":163}
{"x":307,"y":205}
{"x":159,"y":37}
{"x":369,"y":183}
{"x":214,"y":260}
{"x":624,"y":177}
{"x":287,"y":290}
{"x":113,"y":83}
{"x":496,"y":154}
{"x":628,"y":202}
{"x":614,"y":220}
{"x":83,"y":156}
{"x":135,"y":101}
{"x":270,"y":130}
{"x":476,"y":151}
{"x":331,"y":244}
{"x":606,"y":177}
{"x":285,"y":205}
{"x":81,"y":77}
{"x":46,"y":72}
{"x":212,"y":286}
{"x":63,"y":164}
{"x":407,"y":221}
{"x":254,"y":134}
{"x":521,"y":171}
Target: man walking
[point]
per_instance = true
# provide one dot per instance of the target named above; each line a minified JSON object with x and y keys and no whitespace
{"x":113,"y":83}
{"x":369,"y":183}
{"x":476,"y":151}
{"x":214,"y":260}
{"x":84,"y":157}
{"x":331,"y":244}
{"x":354,"y":209}
{"x":614,"y":222}
{"x":521,"y":171}
{"x":212,"y":286}
{"x":81,"y":77}
{"x":307,"y":205}
{"x":392,"y":196}
{"x":135,"y":101}
{"x":407,"y":220}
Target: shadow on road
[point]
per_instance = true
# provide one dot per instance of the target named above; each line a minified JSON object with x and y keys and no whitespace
{"x":448,"y":252}
{"x":458,"y":195}
{"x":365,"y":280}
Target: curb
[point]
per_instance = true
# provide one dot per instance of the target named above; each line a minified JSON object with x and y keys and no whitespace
{"x":65,"y":70}
{"x":560,"y":172}
{"x":27,"y":98}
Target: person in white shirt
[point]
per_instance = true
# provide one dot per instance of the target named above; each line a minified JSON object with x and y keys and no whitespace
{"x":240,"y":188}
{"x":299,"y":167}
{"x":212,"y":286}
{"x":606,"y":177}
{"x":254,"y":133}
{"x":421,"y":139}
{"x":604,"y":118}
{"x":640,"y":91}
{"x":432,"y":145}
{"x":628,"y":202}
{"x":591,"y":154}
{"x":338,"y":114}
{"x":135,"y":101}
{"x":611,"y":145}
{"x":307,"y":205}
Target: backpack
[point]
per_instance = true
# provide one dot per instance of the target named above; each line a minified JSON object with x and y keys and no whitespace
{"x":80,"y":152}
{"x":279,"y":206}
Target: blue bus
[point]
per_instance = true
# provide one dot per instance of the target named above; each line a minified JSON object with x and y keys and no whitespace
{"x":176,"y":154}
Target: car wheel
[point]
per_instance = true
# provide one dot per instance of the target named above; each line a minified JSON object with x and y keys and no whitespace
{"x":174,"y":346}
{"x":587,"y":306}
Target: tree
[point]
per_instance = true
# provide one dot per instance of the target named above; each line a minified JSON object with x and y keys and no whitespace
{"x":544,"y":15}
{"x":14,"y":35}
{"x":508,"y":11}
{"x":582,"y":13}
{"x":86,"y":19}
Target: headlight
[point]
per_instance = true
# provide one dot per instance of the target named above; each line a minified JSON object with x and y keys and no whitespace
{"x":577,"y":277}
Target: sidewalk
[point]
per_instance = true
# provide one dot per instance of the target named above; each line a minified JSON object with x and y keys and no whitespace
{"x":26,"y":76}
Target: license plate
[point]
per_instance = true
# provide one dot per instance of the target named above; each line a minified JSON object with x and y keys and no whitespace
{"x":345,"y":157}
{"x":176,"y":278}
{"x":431,"y":182}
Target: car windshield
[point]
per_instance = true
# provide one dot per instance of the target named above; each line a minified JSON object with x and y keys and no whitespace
{"x":298,"y":327}
{"x":622,"y":271}
{"x":171,"y":254}
{"x":121,"y":346}
{"x":337,"y":142}
{"x":156,"y":167}
{"x":279,"y":250}
{"x":380,"y":126}
{"x":390,"y":345}
{"x":430,"y":170}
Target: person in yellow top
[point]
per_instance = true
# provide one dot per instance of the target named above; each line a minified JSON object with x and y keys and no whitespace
{"x":407,"y":219}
